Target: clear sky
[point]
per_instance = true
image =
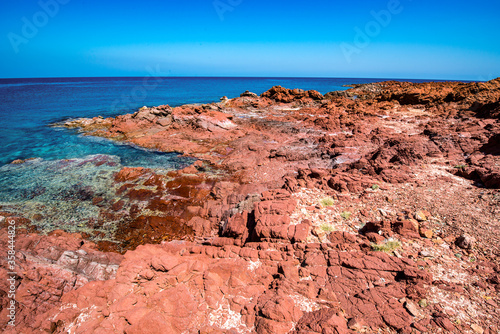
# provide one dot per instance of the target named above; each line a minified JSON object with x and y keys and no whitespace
{"x":420,"y":39}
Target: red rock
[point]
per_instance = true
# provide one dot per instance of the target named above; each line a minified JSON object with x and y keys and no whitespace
{"x":342,"y":238}
{"x":397,"y":318}
{"x":189,"y":170}
{"x":465,"y":242}
{"x":323,"y":321}
{"x":141,"y":194}
{"x":281,"y":94}
{"x":356,"y":324}
{"x":417,"y":274}
{"x":127,"y":174}
{"x":278,"y":307}
{"x":236,"y":226}
{"x":374,"y":237}
{"x":278,"y":194}
{"x":281,"y":207}
{"x":200,"y":226}
{"x":313,"y":259}
{"x":406,"y":228}
{"x":495,"y":279}
{"x":164,"y":262}
{"x":267,"y":326}
{"x":53,"y":265}
{"x":301,"y":232}
{"x":289,"y":270}
{"x":445,"y":324}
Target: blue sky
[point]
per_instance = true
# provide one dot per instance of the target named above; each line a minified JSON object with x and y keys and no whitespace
{"x":418,"y":39}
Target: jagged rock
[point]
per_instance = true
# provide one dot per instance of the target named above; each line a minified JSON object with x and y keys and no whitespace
{"x":249,"y":94}
{"x":285,"y":95}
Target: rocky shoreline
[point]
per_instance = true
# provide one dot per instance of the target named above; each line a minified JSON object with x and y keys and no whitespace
{"x":372,"y":210}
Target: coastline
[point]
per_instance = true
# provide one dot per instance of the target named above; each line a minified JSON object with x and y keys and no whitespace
{"x":386,"y":159}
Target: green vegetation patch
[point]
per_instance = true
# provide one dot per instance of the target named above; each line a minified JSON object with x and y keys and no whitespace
{"x":346,"y":215}
{"x":388,"y":246}
{"x":328,"y":228}
{"x":460,"y":166}
{"x":327,"y":201}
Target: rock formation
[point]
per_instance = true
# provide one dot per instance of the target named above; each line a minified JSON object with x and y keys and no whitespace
{"x":304,"y":214}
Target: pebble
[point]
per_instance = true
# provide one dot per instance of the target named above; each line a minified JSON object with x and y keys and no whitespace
{"x":383,"y":212}
{"x":413,"y":309}
{"x":426,"y":233}
{"x":425,"y":253}
{"x":355,"y":325}
{"x":420,"y":216}
{"x":465,"y":241}
{"x":423,"y":303}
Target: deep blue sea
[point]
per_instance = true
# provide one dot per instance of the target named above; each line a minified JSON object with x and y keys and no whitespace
{"x":69,"y":164}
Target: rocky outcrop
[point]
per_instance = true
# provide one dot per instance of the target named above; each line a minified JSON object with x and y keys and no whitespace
{"x":474,"y":94}
{"x":305,"y":214}
{"x":280,"y":94}
{"x":46,"y":268}
{"x":261,"y":287}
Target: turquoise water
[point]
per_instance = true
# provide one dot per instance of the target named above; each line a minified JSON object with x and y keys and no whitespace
{"x":58,"y":194}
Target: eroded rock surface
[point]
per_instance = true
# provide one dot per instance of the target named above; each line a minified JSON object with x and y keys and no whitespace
{"x":305,"y":214}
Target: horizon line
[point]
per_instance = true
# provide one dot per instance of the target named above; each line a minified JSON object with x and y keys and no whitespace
{"x":239,"y":77}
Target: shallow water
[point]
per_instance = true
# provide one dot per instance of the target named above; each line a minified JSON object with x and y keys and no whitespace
{"x":61,"y":194}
